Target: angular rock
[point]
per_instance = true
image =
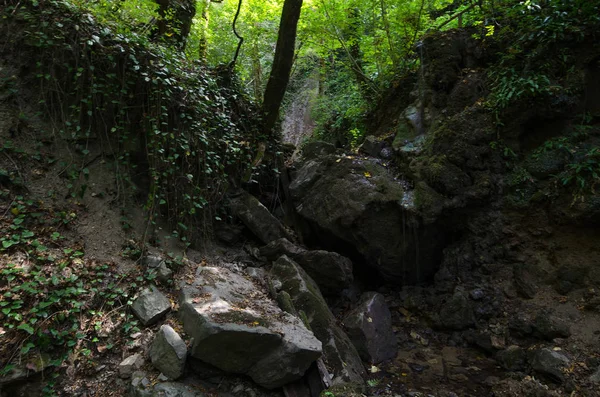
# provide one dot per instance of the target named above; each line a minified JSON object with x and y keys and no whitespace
{"x":331,"y":271}
{"x":236,"y":327}
{"x":168,"y":352}
{"x":256,"y":217}
{"x":546,"y":326}
{"x":524,"y":284}
{"x":358,"y":205}
{"x":229,"y":234}
{"x":486,"y":341}
{"x":369,"y":327}
{"x":513,"y":358}
{"x":164,"y":274}
{"x":282,"y":246}
{"x":339,"y":353}
{"x":549,"y":363}
{"x":153,"y":261}
{"x":457,"y":313}
{"x":520,"y":325}
{"x":316,"y":149}
{"x":150,"y":305}
{"x":371,"y":146}
{"x":131,"y":364}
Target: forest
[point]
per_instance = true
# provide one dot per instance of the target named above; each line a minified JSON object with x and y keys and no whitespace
{"x":300,"y":198}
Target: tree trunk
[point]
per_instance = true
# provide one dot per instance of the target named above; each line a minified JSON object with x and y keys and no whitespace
{"x":353,"y":34}
{"x":257,"y":81}
{"x":175,"y":21}
{"x":282,"y":63}
{"x":204,"y":15}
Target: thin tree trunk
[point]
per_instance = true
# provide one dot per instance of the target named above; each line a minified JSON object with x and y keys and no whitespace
{"x":368,"y":88}
{"x":204,"y":15}
{"x":282,"y":63}
{"x":257,"y":80}
{"x":386,"y":26}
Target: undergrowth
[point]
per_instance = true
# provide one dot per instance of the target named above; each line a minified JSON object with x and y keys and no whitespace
{"x":58,"y":309}
{"x":173,"y":130}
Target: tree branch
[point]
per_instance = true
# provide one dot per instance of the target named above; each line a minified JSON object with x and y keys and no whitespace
{"x":241,"y":39}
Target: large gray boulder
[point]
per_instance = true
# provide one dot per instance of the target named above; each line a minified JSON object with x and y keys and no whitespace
{"x":256,"y":217}
{"x":236,"y":327}
{"x":369,"y":327}
{"x":358,"y":204}
{"x":168,"y":352}
{"x":150,"y":305}
{"x":331,"y":271}
{"x":339,"y":353}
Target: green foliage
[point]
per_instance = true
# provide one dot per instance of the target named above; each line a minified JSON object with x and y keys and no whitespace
{"x":509,"y":86}
{"x":143,"y":100}
{"x":583,"y":174}
{"x":532,"y":65}
{"x":53,"y":300}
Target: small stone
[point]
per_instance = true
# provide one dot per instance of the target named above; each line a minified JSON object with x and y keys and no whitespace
{"x":524,"y":284}
{"x":477,"y":294}
{"x":546,"y":326}
{"x":139,"y":381}
{"x":386,"y":153}
{"x":150,"y":305}
{"x":550,"y":363}
{"x":130,"y":365}
{"x":152,"y":261}
{"x":520,"y":325}
{"x":164,"y":274}
{"x":168,"y":352}
{"x":512,"y":359}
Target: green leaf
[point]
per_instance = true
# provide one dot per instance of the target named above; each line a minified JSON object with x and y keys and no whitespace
{"x":7,"y":243}
{"x":25,"y":349}
{"x":27,"y":328}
